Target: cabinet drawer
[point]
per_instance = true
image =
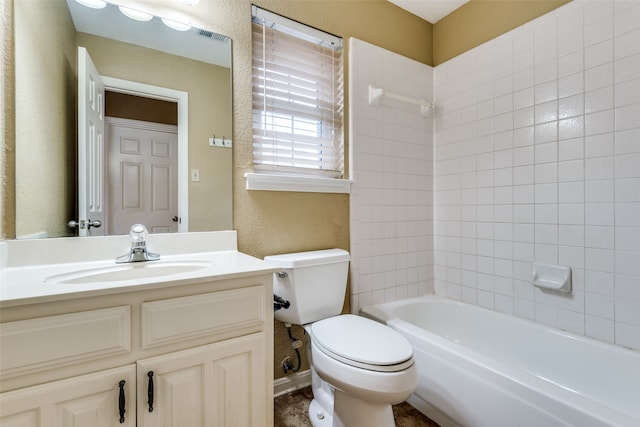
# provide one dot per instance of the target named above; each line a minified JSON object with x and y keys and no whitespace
{"x":49,"y":342}
{"x":198,"y":316}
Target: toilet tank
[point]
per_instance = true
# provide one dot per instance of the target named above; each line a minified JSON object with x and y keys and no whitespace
{"x":314,"y":284}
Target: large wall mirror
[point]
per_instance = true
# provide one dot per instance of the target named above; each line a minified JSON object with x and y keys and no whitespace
{"x":163,"y":155}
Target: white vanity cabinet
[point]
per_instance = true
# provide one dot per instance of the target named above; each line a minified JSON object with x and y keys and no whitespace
{"x":87,"y":400}
{"x":211,"y":385}
{"x":208,"y":345}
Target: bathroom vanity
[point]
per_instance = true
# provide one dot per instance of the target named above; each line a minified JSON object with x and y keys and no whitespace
{"x":186,"y":343}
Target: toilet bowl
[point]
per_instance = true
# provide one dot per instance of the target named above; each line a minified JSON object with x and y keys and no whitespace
{"x":367,"y":365}
{"x":359,"y":367}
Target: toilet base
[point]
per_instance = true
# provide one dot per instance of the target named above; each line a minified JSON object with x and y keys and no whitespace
{"x":321,"y":407}
{"x":349,"y":411}
{"x":334,"y":408}
{"x":318,"y":416}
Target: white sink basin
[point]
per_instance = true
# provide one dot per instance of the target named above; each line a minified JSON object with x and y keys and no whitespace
{"x":130,"y":271}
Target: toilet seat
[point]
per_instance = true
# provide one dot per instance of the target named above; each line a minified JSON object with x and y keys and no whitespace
{"x":362,"y":343}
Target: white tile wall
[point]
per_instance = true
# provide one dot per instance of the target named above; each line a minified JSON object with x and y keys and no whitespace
{"x":537,"y":158}
{"x":391,"y":203}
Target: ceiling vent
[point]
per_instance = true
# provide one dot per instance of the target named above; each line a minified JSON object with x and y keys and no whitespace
{"x":211,"y":35}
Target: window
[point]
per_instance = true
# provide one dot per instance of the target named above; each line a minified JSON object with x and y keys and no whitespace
{"x":298,"y":98}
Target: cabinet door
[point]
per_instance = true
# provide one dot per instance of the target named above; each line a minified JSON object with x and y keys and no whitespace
{"x":216,"y":385}
{"x":87,"y":400}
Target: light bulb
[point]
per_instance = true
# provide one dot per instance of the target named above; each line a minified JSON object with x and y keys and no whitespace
{"x":135,"y":14}
{"x":178,"y":26}
{"x":94,"y":4}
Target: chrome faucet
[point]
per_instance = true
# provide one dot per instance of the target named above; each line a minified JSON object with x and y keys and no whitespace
{"x":139,"y":250}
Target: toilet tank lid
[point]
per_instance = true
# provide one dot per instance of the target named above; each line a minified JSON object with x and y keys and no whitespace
{"x":307,"y":259}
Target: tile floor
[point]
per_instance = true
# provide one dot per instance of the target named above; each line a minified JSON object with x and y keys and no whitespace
{"x":291,"y":411}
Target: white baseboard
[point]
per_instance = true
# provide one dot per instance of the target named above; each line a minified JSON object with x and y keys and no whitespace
{"x":291,"y":383}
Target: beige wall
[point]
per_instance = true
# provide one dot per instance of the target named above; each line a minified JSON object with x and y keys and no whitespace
{"x":276,"y":222}
{"x":210,"y":206}
{"x":45,"y":118}
{"x":482,"y":20}
{"x":7,"y":123}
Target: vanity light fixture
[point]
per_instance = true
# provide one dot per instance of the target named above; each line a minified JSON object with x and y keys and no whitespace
{"x":94,"y":4}
{"x":178,"y":26}
{"x":135,"y":14}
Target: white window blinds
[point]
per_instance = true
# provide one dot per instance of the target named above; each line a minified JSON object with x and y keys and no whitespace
{"x":298,"y":98}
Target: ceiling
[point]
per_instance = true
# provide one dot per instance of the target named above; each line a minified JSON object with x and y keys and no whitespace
{"x":430,"y":10}
{"x":108,"y":22}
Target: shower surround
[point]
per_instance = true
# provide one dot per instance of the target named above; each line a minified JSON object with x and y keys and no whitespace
{"x":531,"y":154}
{"x":537,"y":158}
{"x":391,"y":203}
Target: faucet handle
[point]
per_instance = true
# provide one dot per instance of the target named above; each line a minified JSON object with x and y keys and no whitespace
{"x":139,"y":252}
{"x":138,"y":234}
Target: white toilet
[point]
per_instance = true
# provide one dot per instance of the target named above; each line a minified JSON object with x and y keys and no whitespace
{"x":359,"y":367}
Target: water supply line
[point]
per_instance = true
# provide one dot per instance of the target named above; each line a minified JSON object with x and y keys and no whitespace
{"x":296,"y":343}
{"x":280,"y":303}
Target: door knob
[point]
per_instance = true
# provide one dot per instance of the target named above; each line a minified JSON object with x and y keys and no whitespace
{"x":82,"y":223}
{"x":174,"y":218}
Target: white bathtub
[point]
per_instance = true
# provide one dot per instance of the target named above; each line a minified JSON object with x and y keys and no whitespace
{"x":482,"y":368}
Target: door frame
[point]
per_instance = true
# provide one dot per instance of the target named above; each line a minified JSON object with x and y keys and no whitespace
{"x":182,"y":99}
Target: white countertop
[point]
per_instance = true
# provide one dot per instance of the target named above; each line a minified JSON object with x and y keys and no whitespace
{"x":28,"y":285}
{"x":27,"y":282}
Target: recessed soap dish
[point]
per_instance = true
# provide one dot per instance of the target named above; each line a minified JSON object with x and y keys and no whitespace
{"x":553,"y":277}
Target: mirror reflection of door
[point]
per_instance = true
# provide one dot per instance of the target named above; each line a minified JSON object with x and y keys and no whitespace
{"x":91,"y":104}
{"x":128,"y":158}
{"x":142,"y":163}
{"x":142,"y":159}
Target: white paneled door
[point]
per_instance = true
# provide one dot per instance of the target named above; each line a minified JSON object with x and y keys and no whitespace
{"x":91,"y":184}
{"x":142,"y":175}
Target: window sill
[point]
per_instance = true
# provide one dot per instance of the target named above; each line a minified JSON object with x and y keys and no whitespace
{"x":305,"y":184}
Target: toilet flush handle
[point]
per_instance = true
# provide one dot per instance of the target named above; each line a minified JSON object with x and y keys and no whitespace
{"x":282,"y":274}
